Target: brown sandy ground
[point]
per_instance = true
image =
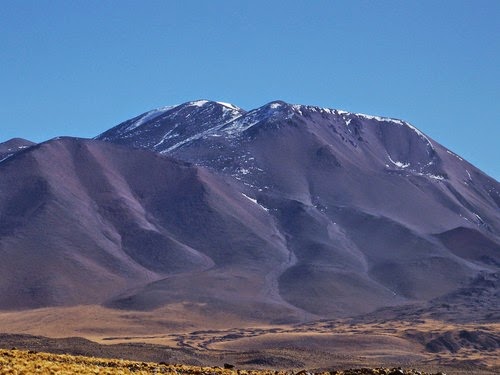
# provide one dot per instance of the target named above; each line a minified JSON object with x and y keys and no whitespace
{"x":181,"y":334}
{"x":30,"y":362}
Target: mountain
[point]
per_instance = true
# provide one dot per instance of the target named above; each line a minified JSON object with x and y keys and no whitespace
{"x":374,"y":212}
{"x":12,"y":146}
{"x":86,"y":222}
{"x":284,"y":213}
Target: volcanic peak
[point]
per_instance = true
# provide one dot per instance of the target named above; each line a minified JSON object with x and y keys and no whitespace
{"x":213,"y":117}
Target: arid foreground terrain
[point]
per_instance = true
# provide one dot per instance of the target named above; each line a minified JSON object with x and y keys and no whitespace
{"x":28,"y":362}
{"x":429,"y":345}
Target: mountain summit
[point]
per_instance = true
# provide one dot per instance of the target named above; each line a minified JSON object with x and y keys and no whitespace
{"x":158,"y":129}
{"x":283,"y":213}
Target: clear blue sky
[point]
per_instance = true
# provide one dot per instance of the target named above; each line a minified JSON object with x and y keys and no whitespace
{"x":80,"y":67}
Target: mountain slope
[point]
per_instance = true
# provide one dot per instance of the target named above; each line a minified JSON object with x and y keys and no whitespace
{"x":84,"y":222}
{"x":370,"y":207}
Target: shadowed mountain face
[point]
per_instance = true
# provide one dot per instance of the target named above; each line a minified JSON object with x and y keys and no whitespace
{"x":282,"y":213}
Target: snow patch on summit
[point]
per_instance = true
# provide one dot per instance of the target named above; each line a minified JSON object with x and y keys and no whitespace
{"x":344,"y":114}
{"x":380,"y":118}
{"x":398,"y":122}
{"x":148,"y":116}
{"x":244,"y":122}
{"x":300,"y":108}
{"x":198,"y":103}
{"x":229,"y":105}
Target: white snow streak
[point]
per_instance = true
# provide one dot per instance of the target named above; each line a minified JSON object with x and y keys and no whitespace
{"x":433,"y":176}
{"x":168,"y":135}
{"x":255,"y":201}
{"x":455,"y":155}
{"x":5,"y":158}
{"x":402,"y":165}
{"x":481,"y":221}
{"x":298,"y":108}
{"x":398,"y":163}
{"x":229,"y":105}
{"x":238,"y":126}
{"x":198,"y":103}
{"x":148,"y":116}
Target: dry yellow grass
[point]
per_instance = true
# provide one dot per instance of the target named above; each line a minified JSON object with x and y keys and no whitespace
{"x":28,"y":362}
{"x":17,"y":362}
